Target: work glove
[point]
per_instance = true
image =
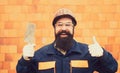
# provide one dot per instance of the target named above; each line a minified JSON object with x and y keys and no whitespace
{"x":28,"y":51}
{"x":95,"y":49}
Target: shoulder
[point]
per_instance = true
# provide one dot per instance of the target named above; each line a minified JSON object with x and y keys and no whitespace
{"x":81,"y":45}
{"x":42,"y":53}
{"x":44,"y":48}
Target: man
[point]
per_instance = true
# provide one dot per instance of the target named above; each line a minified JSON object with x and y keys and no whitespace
{"x":65,"y":55}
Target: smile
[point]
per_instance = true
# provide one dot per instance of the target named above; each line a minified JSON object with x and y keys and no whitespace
{"x":63,"y":35}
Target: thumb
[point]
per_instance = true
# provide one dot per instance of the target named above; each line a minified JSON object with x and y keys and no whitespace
{"x":94,"y":40}
{"x":33,"y":45}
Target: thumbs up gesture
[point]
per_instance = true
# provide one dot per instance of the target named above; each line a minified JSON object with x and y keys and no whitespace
{"x":95,"y":49}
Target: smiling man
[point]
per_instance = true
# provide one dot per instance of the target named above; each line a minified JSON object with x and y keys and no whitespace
{"x":66,"y":55}
{"x":64,"y":34}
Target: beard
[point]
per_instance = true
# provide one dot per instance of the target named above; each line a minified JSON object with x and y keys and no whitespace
{"x":64,"y":43}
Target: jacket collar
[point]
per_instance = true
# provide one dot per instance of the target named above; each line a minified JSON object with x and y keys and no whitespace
{"x":51,"y":49}
{"x":75,"y":48}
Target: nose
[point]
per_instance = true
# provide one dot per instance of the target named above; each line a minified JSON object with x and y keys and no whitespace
{"x":64,"y":28}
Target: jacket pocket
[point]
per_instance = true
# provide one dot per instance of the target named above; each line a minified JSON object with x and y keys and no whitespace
{"x":77,"y":66}
{"x":46,"y":67}
{"x":79,"y":63}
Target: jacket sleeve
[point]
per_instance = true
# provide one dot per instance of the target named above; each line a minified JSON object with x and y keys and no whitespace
{"x":24,"y":66}
{"x":106,"y":63}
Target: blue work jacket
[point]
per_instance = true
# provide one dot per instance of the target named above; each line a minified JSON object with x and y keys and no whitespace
{"x":77,"y":60}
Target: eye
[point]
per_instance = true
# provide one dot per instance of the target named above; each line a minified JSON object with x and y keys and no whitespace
{"x":60,"y":24}
{"x":67,"y":24}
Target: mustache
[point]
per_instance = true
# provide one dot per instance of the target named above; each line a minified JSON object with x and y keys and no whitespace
{"x":65,"y":32}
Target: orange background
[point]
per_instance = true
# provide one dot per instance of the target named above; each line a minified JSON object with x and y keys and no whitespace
{"x":100,"y":18}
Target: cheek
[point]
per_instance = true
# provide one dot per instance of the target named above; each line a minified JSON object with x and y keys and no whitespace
{"x":71,"y":31}
{"x":57,"y":30}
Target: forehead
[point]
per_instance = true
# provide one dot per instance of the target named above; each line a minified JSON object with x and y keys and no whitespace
{"x":65,"y":20}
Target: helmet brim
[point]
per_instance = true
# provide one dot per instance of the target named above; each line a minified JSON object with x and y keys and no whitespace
{"x":64,"y":16}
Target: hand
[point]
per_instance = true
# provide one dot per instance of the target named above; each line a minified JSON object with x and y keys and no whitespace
{"x":28,"y":51}
{"x":95,"y":49}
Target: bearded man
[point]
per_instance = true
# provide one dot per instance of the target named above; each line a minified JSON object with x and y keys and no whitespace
{"x":66,"y":55}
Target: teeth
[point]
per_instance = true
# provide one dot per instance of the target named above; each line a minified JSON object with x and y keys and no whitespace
{"x":63,"y":33}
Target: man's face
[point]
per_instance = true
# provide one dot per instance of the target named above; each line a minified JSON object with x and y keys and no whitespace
{"x":64,"y":30}
{"x":64,"y":26}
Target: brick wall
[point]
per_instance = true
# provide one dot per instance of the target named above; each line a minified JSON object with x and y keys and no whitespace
{"x":100,"y":18}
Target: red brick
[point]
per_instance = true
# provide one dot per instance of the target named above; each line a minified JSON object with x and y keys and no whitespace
{"x":3,"y":71}
{"x":12,"y":71}
{"x":37,"y":16}
{"x":118,"y":9}
{"x":1,"y":65}
{"x":117,"y":40}
{"x":8,"y":49}
{"x":15,"y":2}
{"x":2,"y":56}
{"x":25,"y":9}
{"x":17,"y":17}
{"x":111,"y":2}
{"x":113,"y":24}
{"x":13,"y":65}
{"x":1,"y":41}
{"x":9,"y":41}
{"x":12,"y":9}
{"x":3,"y":2}
{"x":8,"y":25}
{"x":108,"y":8}
{"x":12,"y":57}
{"x":6,"y":65}
{"x":2,"y":9}
{"x":10,"y":33}
{"x":117,"y":16}
{"x":4,"y":17}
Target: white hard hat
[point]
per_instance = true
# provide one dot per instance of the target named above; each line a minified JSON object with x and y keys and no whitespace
{"x":64,"y":13}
